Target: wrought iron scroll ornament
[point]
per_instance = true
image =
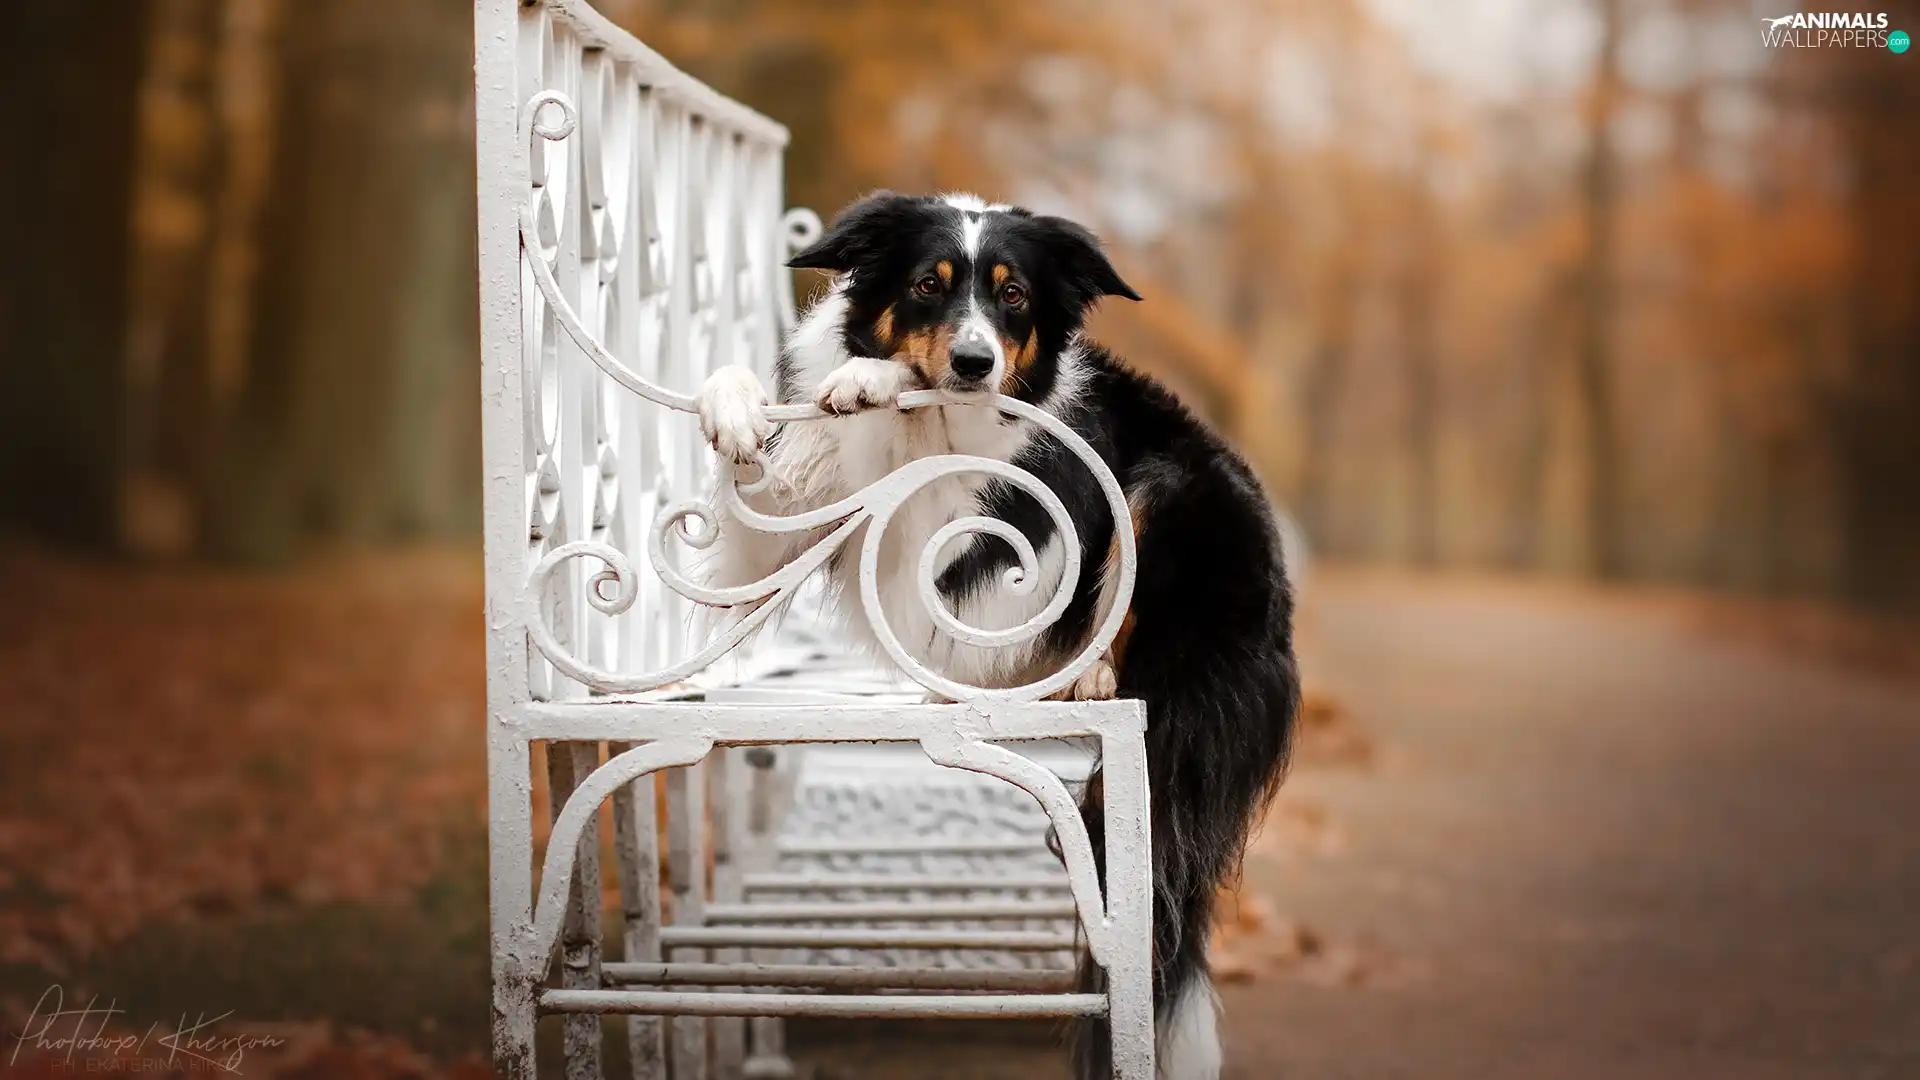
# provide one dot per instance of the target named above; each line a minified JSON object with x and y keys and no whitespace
{"x":696,"y":524}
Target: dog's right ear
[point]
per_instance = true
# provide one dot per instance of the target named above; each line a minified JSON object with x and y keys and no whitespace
{"x":860,"y":235}
{"x":1080,"y":261}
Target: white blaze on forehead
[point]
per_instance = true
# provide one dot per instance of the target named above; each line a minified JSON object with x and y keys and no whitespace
{"x":973,"y":215}
{"x":974,"y":204}
{"x":971,"y":225}
{"x":977,"y":328}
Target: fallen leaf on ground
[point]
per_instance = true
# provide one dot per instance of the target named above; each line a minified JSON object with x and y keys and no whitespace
{"x":1328,"y":736}
{"x":186,"y":744}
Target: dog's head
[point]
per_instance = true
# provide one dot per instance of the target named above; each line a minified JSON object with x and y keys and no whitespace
{"x":974,"y":297}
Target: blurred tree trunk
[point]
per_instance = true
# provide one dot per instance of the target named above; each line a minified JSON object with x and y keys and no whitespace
{"x":1593,"y":356}
{"x":70,"y":75}
{"x":1417,"y":304}
{"x":1877,"y":419}
{"x":246,"y":106}
{"x":1542,"y":333}
{"x":1336,"y":302}
{"x":173,"y":195}
{"x":1337,"y":307}
{"x":357,"y":416}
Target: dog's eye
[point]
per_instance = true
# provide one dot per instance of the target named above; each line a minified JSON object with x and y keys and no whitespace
{"x":927,"y":286}
{"x":1012,"y":295}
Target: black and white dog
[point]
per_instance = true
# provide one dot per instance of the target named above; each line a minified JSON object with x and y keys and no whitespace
{"x":953,"y":293}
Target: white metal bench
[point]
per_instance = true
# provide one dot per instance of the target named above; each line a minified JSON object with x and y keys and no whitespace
{"x":632,"y":238}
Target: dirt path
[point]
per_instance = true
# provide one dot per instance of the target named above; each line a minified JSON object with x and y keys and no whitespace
{"x":1600,"y":843}
{"x":1603,"y":837}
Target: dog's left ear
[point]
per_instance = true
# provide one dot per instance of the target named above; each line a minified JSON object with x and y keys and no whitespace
{"x":1077,"y":257}
{"x":860,"y":234}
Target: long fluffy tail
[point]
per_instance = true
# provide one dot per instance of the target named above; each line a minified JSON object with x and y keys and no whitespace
{"x":1218,"y":736}
{"x":1185,"y":1015}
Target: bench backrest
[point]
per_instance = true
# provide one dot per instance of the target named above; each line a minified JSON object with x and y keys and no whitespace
{"x":656,"y":204}
{"x":632,"y":240}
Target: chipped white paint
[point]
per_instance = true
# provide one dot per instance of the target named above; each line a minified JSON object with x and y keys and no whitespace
{"x":631,"y":241}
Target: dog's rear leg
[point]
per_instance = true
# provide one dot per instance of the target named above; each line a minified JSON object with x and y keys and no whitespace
{"x":1098,"y":683}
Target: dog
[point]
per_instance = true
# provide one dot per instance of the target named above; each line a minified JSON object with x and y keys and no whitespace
{"x":953,"y":293}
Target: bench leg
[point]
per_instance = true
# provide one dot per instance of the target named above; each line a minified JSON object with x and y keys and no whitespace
{"x":569,"y":763}
{"x":1130,"y":899}
{"x":510,"y":857}
{"x":767,"y":1035}
{"x":769,"y":1060}
{"x":727,"y":796}
{"x":637,"y":850}
{"x":687,"y":873}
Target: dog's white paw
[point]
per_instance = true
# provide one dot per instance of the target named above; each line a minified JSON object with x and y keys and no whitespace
{"x":863,"y":382}
{"x":1098,"y":683}
{"x":733,"y":414}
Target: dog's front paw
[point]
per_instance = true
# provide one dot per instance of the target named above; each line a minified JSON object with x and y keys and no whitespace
{"x":733,"y":414}
{"x":861,"y":383}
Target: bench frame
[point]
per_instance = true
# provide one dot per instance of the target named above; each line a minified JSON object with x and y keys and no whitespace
{"x":631,"y":238}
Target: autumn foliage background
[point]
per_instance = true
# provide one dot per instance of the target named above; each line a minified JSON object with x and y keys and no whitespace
{"x":1593,"y":289}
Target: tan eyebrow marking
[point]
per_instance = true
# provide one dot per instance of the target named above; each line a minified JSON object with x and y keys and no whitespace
{"x":945,"y":270}
{"x":1001,"y":274}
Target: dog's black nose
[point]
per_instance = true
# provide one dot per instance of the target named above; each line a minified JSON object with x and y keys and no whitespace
{"x":973,"y":361}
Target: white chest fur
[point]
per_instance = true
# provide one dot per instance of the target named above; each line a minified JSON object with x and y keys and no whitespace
{"x":823,"y":461}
